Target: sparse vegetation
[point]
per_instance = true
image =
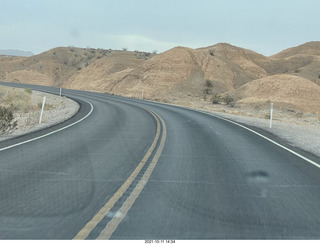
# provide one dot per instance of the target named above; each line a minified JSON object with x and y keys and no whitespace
{"x":207,"y":91}
{"x":6,"y":120}
{"x":28,"y":90}
{"x":216,"y":99}
{"x":47,"y":106}
{"x":229,"y":100}
{"x":17,"y":100}
{"x":209,"y":83}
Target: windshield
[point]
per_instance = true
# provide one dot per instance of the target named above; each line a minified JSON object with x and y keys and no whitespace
{"x":159,"y":121}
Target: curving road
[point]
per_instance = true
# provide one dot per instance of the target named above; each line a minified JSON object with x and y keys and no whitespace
{"x":131,"y":169}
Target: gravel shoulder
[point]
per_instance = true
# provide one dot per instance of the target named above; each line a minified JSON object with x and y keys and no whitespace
{"x":303,"y":133}
{"x":298,"y":133}
{"x":57,"y":110}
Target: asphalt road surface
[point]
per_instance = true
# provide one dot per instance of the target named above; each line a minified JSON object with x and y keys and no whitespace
{"x":132,"y":169}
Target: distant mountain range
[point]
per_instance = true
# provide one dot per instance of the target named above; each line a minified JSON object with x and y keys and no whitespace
{"x":15,"y":52}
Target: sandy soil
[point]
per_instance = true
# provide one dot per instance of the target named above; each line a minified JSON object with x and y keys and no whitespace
{"x":58,"y":110}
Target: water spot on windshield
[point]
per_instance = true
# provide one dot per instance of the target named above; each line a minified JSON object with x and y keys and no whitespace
{"x":258,"y":177}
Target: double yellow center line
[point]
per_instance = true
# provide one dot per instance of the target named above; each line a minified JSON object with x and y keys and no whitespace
{"x":115,"y":221}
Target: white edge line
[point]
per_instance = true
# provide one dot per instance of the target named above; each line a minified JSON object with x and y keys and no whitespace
{"x":216,"y":116}
{"x":289,"y":150}
{"x":230,"y":121}
{"x":52,"y":132}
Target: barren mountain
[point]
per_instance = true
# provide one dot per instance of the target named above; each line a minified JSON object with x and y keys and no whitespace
{"x":284,"y":90}
{"x":187,"y":73}
{"x":15,"y":52}
{"x":56,"y":66}
{"x":309,"y":48}
{"x":301,"y":61}
{"x":103,"y":70}
{"x":180,"y":75}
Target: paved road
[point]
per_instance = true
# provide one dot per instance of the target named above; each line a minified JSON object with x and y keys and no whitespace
{"x":140,"y":170}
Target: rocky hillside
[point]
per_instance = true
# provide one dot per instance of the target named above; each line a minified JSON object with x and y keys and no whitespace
{"x":181,"y":75}
{"x":56,"y":66}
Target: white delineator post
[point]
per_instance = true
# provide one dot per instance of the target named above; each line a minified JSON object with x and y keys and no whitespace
{"x":271,"y":113}
{"x":60,"y":91}
{"x":43,"y":103}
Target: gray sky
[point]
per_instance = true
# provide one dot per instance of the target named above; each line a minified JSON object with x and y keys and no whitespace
{"x":264,"y":26}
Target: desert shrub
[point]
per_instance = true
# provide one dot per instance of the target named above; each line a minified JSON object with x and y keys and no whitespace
{"x":17,"y":100}
{"x":209,"y":83}
{"x":207,"y":91}
{"x":216,"y":99}
{"x":6,"y":120}
{"x":229,"y":100}
{"x":47,"y":106}
{"x":28,"y":90}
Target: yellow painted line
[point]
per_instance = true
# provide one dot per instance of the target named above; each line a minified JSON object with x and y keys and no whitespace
{"x":84,"y":233}
{"x":117,"y":218}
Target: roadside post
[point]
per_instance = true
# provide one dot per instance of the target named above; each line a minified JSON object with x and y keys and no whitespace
{"x":271,"y":113}
{"x":43,"y":104}
{"x":60,"y":91}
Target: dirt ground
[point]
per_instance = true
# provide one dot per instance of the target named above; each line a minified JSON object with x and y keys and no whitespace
{"x":57,"y":110}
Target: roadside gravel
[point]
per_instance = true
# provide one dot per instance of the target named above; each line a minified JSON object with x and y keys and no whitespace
{"x":58,"y":109}
{"x":298,"y":133}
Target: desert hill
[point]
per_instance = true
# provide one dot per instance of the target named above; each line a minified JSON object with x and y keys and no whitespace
{"x":180,"y":75}
{"x":309,"y":48}
{"x":303,"y":61}
{"x":58,"y":65}
{"x":183,"y":72}
{"x":286,"y":90}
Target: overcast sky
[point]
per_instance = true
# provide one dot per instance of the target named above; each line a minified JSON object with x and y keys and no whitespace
{"x":264,"y":26}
